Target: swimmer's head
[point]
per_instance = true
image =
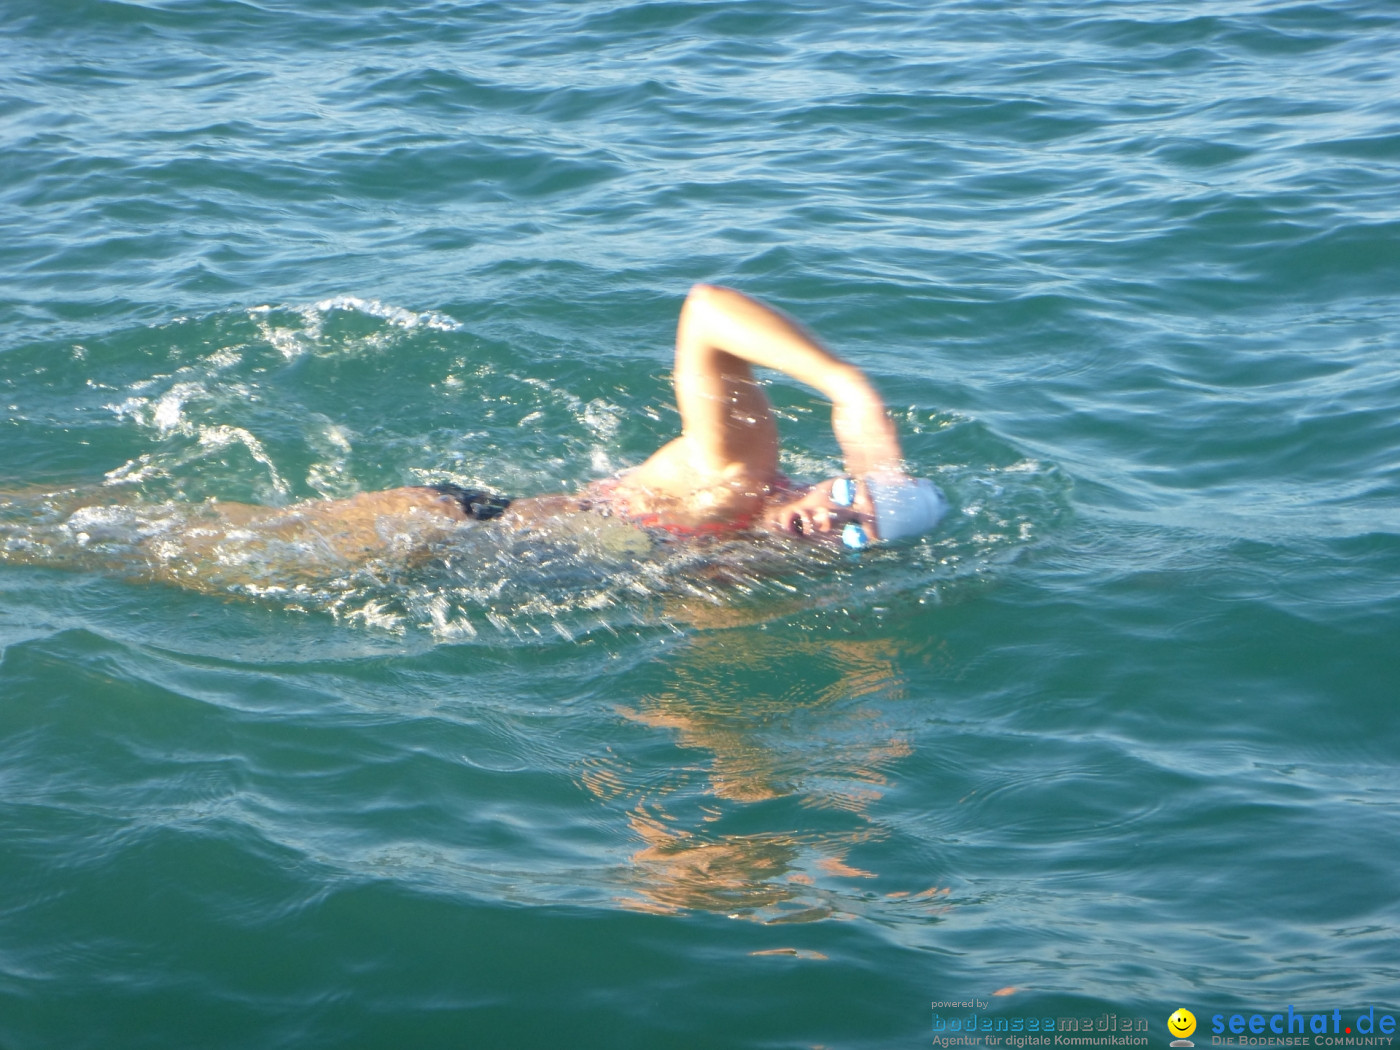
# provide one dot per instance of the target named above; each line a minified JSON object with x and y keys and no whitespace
{"x":904,"y":506}
{"x":857,"y":512}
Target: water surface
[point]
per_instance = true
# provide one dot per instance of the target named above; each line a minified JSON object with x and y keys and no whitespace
{"x":1118,"y":738}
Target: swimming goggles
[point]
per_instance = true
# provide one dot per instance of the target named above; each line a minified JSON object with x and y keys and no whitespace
{"x":843,"y":494}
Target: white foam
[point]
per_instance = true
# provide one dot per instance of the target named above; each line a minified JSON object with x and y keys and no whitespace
{"x":395,"y":315}
{"x":222,"y":436}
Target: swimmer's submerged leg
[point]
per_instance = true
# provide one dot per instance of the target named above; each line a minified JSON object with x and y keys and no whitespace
{"x":216,"y":545}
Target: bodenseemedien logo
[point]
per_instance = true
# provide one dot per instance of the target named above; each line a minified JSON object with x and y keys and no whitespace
{"x":980,"y":1028}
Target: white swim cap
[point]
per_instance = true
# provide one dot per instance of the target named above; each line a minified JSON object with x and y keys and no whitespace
{"x":905,"y":506}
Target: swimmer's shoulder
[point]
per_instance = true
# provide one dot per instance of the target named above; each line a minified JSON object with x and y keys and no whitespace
{"x":730,"y":502}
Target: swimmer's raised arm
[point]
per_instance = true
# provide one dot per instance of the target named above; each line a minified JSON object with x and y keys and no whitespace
{"x":725,"y":415}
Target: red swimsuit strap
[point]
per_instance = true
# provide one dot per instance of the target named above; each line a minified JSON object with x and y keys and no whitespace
{"x":710,"y":528}
{"x":605,"y":491}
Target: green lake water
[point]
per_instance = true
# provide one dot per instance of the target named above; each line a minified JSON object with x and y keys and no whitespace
{"x":1120,"y":737}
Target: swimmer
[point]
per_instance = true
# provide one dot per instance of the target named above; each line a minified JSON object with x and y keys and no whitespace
{"x":721,"y":474}
{"x":719,"y":477}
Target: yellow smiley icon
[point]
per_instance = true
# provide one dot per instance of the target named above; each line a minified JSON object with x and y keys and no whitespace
{"x":1182,"y":1023}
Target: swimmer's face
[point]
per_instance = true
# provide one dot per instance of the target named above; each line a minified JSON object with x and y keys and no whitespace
{"x":817,"y":516}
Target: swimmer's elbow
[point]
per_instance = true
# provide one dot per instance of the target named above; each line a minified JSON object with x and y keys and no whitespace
{"x":696,"y":330}
{"x":698,"y":305}
{"x":710,"y":313}
{"x":710,"y":297}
